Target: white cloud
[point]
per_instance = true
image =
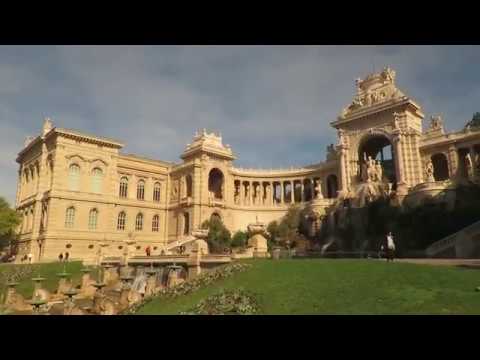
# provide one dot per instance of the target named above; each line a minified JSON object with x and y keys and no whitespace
{"x":272,"y":104}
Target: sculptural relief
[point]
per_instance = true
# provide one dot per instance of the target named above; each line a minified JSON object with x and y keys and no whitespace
{"x":429,"y":171}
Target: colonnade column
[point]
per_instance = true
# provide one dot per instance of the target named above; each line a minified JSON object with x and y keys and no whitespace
{"x":343,"y":167}
{"x":282,"y":191}
{"x":401,"y":184}
{"x":453,"y":161}
{"x":250,"y":193}
{"x":292,"y":192}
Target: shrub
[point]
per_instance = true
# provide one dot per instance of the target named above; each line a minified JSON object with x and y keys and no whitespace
{"x":239,"y":239}
{"x":234,"y":302}
{"x":219,"y":236}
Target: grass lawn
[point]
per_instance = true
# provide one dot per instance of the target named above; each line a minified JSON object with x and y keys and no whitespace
{"x":327,"y":286}
{"x":49,"y":271}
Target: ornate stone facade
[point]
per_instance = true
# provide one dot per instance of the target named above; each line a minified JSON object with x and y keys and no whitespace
{"x":79,"y":193}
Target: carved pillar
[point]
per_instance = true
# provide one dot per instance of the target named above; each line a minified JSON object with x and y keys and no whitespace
{"x":250,"y":193}
{"x":282,"y":192}
{"x":401,"y":184}
{"x":302,"y":193}
{"x":452,"y":161}
{"x":19,"y":187}
{"x":292,"y":192}
{"x":262,"y":193}
{"x":343,"y":168}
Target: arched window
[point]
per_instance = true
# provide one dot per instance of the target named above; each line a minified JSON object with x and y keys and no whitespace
{"x":188,"y":181}
{"x":141,"y":190}
{"x":186,"y":223}
{"x":74,"y":177}
{"x":139,"y":222}
{"x":31,"y":219}
{"x":155,"y":223}
{"x":156,"y":192}
{"x":440,"y":167}
{"x":97,"y":179}
{"x":215,"y":184}
{"x":70,"y":217}
{"x":92,"y":219}
{"x":332,"y":186}
{"x":123,"y":192}
{"x":122,"y":219}
{"x":26,"y":225}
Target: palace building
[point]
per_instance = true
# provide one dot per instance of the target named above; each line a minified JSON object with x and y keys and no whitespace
{"x":77,"y":191}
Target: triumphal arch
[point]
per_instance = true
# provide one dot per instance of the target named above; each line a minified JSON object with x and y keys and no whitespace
{"x":77,"y":192}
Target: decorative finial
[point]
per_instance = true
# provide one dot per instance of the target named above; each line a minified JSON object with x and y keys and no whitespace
{"x":47,"y":125}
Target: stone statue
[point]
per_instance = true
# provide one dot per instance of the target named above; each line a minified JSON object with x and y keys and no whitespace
{"x":318,"y":190}
{"x":247,"y":193}
{"x":268,"y":192}
{"x":469,"y":165}
{"x":388,"y":75}
{"x":28,"y":140}
{"x":371,"y":171}
{"x":341,"y":137}
{"x":183,"y":186}
{"x":237,"y":194}
{"x":429,"y":171}
{"x":396,"y":120}
{"x":379,"y":171}
{"x":331,"y":151}
{"x":436,"y":122}
{"x":257,"y":193}
{"x":174,"y":192}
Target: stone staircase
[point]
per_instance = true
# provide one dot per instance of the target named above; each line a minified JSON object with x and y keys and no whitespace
{"x":462,"y":244}
{"x":178,"y":243}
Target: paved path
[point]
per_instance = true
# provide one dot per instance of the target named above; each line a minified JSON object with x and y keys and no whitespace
{"x":447,"y":262}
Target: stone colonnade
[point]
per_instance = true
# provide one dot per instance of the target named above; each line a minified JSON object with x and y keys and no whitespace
{"x":275,"y":192}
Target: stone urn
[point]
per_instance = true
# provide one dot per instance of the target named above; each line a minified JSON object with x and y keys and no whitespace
{"x":276,"y":253}
{"x":257,"y":239}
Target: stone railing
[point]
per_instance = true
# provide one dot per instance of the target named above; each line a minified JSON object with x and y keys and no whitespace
{"x":449,"y":241}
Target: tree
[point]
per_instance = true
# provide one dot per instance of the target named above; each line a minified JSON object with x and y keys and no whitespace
{"x":9,"y":220}
{"x":288,"y":228}
{"x":239,"y":239}
{"x":218,"y":235}
{"x":475,"y":122}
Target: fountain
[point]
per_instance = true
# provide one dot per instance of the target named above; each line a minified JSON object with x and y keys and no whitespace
{"x":64,"y":282}
{"x":173,"y":276}
{"x":37,"y":302}
{"x":87,"y":288}
{"x":38,"y":291}
{"x":151,"y":281}
{"x":69,"y":307}
{"x":257,"y":239}
{"x":13,"y":300}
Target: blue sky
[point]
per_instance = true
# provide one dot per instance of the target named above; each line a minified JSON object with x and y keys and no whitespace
{"x":272,"y":104}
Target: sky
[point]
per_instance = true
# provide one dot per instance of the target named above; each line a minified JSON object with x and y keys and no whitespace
{"x":272,"y":104}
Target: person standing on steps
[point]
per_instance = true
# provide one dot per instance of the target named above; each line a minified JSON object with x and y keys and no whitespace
{"x":390,"y":247}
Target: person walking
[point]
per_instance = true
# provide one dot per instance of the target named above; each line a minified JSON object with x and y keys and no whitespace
{"x":30,"y":258}
{"x":66,"y":256}
{"x":60,"y":257}
{"x":148,"y":250}
{"x":390,"y":247}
